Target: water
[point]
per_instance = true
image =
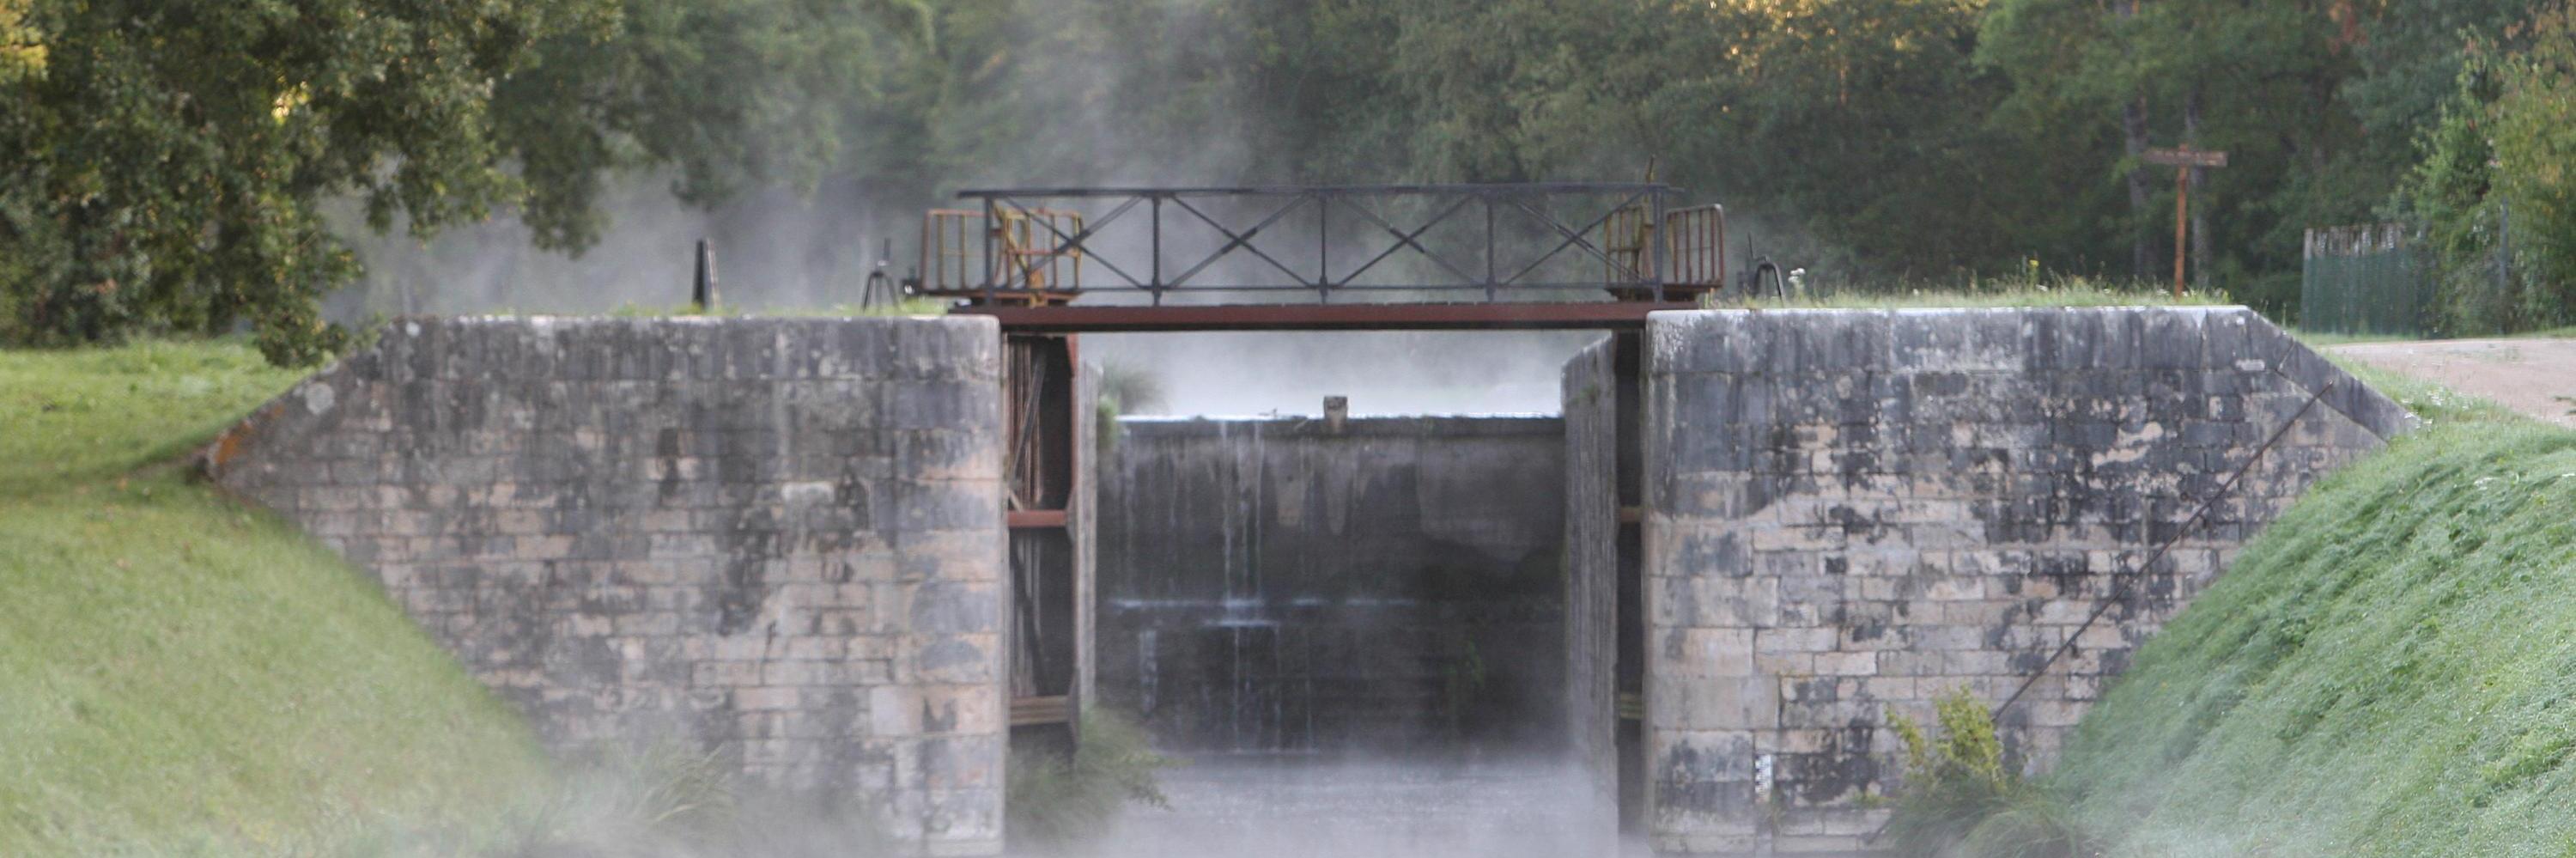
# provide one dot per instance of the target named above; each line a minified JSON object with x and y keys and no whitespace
{"x":1313,"y":805}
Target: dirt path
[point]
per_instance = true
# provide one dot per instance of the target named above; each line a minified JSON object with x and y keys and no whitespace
{"x":2536,"y":377}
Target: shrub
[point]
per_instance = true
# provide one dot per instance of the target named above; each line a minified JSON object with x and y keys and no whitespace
{"x":1960,"y":797}
{"x":1057,"y":798}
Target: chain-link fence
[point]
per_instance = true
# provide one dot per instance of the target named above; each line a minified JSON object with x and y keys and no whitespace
{"x":2367,"y":279}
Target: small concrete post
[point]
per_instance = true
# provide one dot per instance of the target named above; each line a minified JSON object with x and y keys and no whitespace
{"x":1337,"y":413}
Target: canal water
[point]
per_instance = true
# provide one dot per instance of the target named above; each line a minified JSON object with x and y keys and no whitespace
{"x":1433,"y":806}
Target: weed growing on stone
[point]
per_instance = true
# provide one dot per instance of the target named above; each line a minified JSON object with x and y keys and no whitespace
{"x":1961,"y":796}
{"x":1059,"y":799}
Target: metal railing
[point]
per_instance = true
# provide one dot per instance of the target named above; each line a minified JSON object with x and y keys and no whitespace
{"x":1493,"y":242}
{"x":1696,"y":242}
{"x":961,"y":249}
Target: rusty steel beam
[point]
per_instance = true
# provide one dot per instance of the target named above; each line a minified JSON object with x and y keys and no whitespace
{"x":1039,"y":711}
{"x":1591,"y":315}
{"x":1036,"y":519}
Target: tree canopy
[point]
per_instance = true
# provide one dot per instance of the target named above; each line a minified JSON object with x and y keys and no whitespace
{"x":168,"y":163}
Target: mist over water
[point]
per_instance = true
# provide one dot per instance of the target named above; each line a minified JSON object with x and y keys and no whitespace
{"x":1413,"y":807}
{"x":778,"y":249}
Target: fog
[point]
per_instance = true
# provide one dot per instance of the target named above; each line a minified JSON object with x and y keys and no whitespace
{"x":1429,"y":807}
{"x":782,"y":249}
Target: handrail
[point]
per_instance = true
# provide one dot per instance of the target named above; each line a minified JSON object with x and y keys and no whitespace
{"x":1501,"y":242}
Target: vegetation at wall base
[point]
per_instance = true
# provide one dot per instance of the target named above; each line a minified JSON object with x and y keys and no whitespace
{"x":2386,"y":670}
{"x":1059,"y":799}
{"x":1962,"y":796}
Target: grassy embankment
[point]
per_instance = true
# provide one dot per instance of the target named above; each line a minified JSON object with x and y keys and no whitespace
{"x":2390,"y":669}
{"x":182,"y":675}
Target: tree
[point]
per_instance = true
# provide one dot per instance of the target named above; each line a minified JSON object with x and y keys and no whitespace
{"x":2495,"y":192}
{"x":167,"y":159}
{"x":728,"y":93}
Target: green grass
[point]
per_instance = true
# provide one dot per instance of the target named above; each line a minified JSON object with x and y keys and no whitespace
{"x":2009,"y":292}
{"x":181,"y":675}
{"x":2565,"y":333}
{"x":84,"y":414}
{"x":2328,"y":339}
{"x":2322,"y":340}
{"x":2436,"y":404}
{"x":2390,"y":669}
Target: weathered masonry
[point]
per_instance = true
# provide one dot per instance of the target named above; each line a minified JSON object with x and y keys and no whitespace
{"x":780,"y":539}
{"x":1847,"y":513}
{"x":1300,"y":584}
{"x":850,"y":554}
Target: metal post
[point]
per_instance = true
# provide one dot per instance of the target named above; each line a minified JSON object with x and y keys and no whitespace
{"x":1489,"y":246}
{"x":1323,"y":249}
{"x":703,"y":291}
{"x":1155,"y":280}
{"x":992,"y":228}
{"x":1655,"y":238}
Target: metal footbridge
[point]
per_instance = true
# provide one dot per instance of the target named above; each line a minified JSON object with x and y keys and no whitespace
{"x":1598,"y":255}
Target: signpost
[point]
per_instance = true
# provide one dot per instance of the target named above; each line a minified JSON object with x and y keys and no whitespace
{"x":2183,"y":160}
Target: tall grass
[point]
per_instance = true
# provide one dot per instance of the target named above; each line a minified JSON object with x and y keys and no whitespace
{"x":2388,"y":670}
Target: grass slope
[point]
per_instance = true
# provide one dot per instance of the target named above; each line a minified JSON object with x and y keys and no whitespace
{"x":2389,"y":670}
{"x":180,"y":675}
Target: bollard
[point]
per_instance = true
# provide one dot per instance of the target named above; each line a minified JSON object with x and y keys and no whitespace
{"x":703,"y":292}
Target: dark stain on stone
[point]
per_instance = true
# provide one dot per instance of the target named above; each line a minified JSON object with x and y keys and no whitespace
{"x":748,"y":547}
{"x":1686,"y":782}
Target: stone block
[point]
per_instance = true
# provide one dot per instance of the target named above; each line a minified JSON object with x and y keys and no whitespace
{"x":1940,"y":496}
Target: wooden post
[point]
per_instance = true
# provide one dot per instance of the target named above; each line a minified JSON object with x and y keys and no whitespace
{"x":2183,"y":160}
{"x":2182,"y":213}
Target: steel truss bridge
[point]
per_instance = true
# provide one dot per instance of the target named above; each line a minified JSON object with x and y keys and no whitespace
{"x":1341,"y":257}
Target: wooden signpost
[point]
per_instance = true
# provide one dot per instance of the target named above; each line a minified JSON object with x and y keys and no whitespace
{"x":2183,"y":160}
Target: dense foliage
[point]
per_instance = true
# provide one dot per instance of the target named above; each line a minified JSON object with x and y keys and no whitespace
{"x":165,"y":159}
{"x":2496,"y":191}
{"x":168,"y":163}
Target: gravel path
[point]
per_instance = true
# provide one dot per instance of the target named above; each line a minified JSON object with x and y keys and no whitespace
{"x":2536,"y":376}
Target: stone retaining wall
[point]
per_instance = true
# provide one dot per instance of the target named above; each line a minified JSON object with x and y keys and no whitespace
{"x":1850,"y":513}
{"x":1592,"y":578}
{"x":779,"y":539}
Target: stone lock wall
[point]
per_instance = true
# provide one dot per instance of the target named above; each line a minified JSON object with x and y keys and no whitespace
{"x":1850,"y":513}
{"x":1592,"y":580}
{"x":776,"y":538}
